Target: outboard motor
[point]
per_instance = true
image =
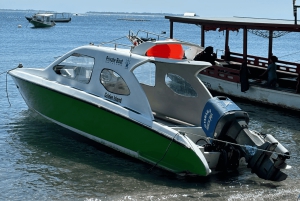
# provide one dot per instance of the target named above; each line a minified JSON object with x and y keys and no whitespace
{"x":227,"y":127}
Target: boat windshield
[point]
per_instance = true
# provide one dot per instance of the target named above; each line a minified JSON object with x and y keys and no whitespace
{"x":145,"y":73}
{"x":78,"y":67}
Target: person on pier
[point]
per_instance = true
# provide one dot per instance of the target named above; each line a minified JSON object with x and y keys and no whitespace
{"x":271,"y":70}
{"x":207,"y":55}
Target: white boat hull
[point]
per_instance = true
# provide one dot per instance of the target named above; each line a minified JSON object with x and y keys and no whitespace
{"x":255,"y":93}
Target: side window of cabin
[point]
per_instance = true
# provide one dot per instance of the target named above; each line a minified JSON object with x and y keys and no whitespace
{"x":113,"y":82}
{"x":78,"y":67}
{"x":179,"y":85}
{"x":145,"y":73}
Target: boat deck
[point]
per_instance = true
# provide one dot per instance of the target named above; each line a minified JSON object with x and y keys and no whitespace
{"x":260,"y":83}
{"x":286,"y":81}
{"x":171,"y":122}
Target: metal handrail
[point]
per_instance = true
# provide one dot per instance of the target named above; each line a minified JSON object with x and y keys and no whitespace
{"x":148,"y":32}
{"x":112,"y":40}
{"x":131,"y":35}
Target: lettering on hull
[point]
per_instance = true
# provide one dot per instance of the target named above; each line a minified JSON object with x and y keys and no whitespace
{"x":112,"y":97}
{"x":113,"y":60}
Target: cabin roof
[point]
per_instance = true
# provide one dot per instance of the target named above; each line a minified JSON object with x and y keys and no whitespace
{"x":44,"y":14}
{"x":239,"y":22}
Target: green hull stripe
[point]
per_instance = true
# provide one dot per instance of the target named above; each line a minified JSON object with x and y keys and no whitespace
{"x":110,"y":127}
{"x":39,"y":24}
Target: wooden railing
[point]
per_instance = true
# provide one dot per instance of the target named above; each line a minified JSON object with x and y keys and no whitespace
{"x":285,"y":66}
{"x":232,"y":73}
{"x":220,"y":72}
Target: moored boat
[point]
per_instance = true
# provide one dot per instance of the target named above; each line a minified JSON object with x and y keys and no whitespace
{"x":146,"y":101}
{"x":42,"y":21}
{"x":226,"y":76}
{"x":56,"y":17}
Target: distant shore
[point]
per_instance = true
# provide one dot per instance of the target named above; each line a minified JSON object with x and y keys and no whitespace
{"x":93,"y":12}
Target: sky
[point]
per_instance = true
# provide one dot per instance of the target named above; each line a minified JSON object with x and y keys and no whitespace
{"x":277,"y":9}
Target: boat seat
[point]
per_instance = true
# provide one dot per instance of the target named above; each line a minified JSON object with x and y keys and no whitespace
{"x":191,"y":52}
{"x":70,"y":72}
{"x":67,"y":72}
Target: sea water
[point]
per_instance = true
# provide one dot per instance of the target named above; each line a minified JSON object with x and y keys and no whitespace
{"x":40,"y":160}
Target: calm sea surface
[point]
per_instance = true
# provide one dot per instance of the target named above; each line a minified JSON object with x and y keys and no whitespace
{"x":40,"y":160}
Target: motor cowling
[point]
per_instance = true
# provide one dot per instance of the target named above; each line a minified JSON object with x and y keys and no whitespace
{"x":223,"y":121}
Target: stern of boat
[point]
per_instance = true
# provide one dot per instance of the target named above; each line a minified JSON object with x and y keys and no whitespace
{"x":226,"y":126}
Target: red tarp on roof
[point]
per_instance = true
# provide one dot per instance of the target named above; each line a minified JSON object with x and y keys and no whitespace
{"x":170,"y":51}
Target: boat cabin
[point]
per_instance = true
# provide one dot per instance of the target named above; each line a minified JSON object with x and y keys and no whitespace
{"x":164,"y":87}
{"x":55,"y":17}
{"x":46,"y":18}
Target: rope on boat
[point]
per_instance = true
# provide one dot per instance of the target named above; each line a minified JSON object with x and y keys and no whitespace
{"x":6,"y":90}
{"x":6,"y":85}
{"x":150,"y":169}
{"x":247,"y":147}
{"x":19,"y":66}
{"x":3,"y":72}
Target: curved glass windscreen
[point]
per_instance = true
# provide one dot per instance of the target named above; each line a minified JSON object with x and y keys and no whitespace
{"x":113,"y":82}
{"x":145,"y":73}
{"x":179,"y":85}
{"x":78,"y":67}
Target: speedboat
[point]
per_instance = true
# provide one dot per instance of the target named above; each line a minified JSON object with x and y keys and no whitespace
{"x":145,"y":100}
{"x":42,"y":20}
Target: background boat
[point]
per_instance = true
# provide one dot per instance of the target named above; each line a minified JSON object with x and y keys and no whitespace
{"x":41,"y":160}
{"x":56,"y":17}
{"x":244,"y":70}
{"x":42,"y":21}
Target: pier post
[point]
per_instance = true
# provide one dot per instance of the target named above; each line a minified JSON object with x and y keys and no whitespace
{"x":171,"y":29}
{"x":202,"y":35}
{"x":295,"y":7}
{"x":270,"y":45}
{"x":245,"y":43}
{"x":227,"y":50}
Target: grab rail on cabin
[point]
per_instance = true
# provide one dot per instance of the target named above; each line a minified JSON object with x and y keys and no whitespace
{"x":220,"y":72}
{"x":150,"y":33}
{"x":115,"y":43}
{"x":285,"y":66}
